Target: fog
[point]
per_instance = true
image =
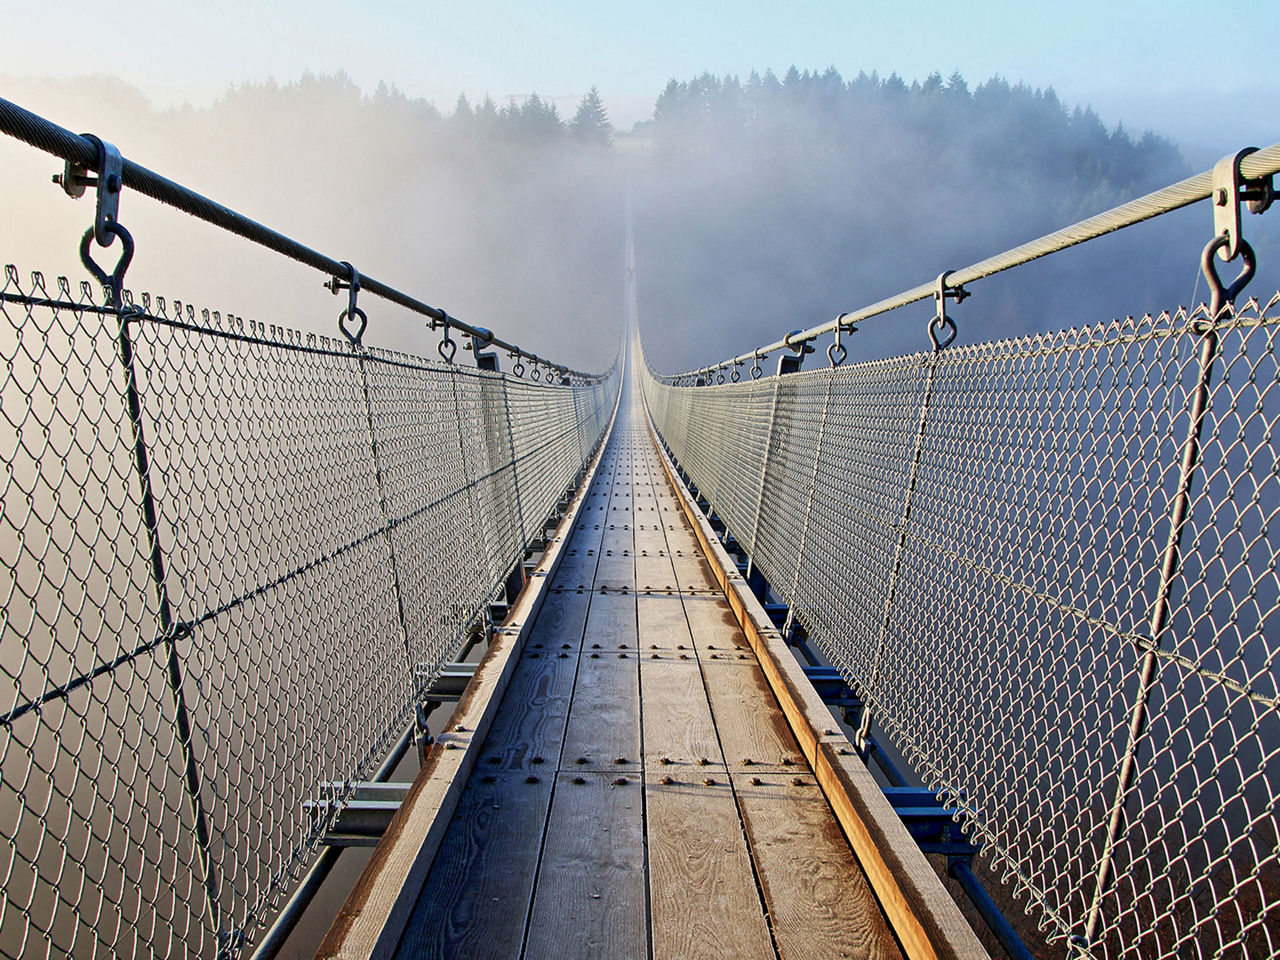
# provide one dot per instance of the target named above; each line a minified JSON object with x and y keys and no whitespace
{"x":762,"y":205}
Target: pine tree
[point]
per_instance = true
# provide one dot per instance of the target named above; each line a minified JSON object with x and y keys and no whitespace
{"x":591,"y":122}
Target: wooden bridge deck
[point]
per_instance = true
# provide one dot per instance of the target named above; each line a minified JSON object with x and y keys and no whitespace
{"x":640,"y":792}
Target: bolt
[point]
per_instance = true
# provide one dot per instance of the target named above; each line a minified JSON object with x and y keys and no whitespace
{"x":531,"y":779}
{"x":621,"y":782}
{"x":1221,"y":199}
{"x":703,"y":761}
{"x":621,"y":760}
{"x":747,"y":761}
{"x":495,"y":759}
{"x":798,"y":782}
{"x":579,"y":780}
{"x":488,"y":778}
{"x":538,"y":760}
{"x":668,"y":781}
{"x":665,"y":761}
{"x":756,"y":782}
{"x":787,"y":761}
{"x":582,"y":760}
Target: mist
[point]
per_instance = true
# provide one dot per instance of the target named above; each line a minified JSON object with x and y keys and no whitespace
{"x":762,"y":205}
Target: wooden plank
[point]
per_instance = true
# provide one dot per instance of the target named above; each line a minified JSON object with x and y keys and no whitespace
{"x":604,"y":719}
{"x":704,"y":899}
{"x":747,"y":717}
{"x":694,"y":573}
{"x":663,"y":628}
{"x":819,"y":900}
{"x":476,"y":898}
{"x":590,"y":896}
{"x":655,"y":573}
{"x":562,"y":618}
{"x":528,"y":731}
{"x":678,"y":727}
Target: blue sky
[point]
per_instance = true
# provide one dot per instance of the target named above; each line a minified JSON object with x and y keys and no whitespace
{"x":1145,"y":64}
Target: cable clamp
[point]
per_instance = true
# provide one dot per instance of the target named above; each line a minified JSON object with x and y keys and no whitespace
{"x":799,"y":347}
{"x":108,"y":183}
{"x":1230,"y":188}
{"x":446,"y":347}
{"x":348,"y":317}
{"x":942,"y":329}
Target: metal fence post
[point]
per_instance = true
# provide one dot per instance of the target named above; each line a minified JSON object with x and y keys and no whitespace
{"x":813,"y":481}
{"x":904,"y":519}
{"x":1161,"y":610}
{"x":764,"y":471}
{"x":171,"y":628}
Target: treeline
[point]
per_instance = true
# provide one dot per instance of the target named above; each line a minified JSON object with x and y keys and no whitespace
{"x":761,"y":205}
{"x":997,"y":125}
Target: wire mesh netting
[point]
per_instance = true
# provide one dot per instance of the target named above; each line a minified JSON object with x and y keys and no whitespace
{"x":1019,"y":554}
{"x":234,"y":558}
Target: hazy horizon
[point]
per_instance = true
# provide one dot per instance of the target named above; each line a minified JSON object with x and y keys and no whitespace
{"x":735,"y":246}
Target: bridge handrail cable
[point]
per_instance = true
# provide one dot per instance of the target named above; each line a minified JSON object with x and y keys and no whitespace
{"x":1260,"y":163}
{"x":75,"y":149}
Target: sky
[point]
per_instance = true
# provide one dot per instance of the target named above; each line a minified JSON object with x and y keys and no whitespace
{"x":1144,"y":64}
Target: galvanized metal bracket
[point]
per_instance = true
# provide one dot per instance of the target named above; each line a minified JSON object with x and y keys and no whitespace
{"x":108,"y":183}
{"x":942,"y":329}
{"x":1230,"y":188}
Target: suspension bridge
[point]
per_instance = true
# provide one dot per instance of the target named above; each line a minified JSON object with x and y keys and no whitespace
{"x":730,"y":663}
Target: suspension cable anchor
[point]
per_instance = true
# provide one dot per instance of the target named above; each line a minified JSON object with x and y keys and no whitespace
{"x":447,"y":347}
{"x":941,"y":322}
{"x":353,"y":312}
{"x":108,"y":183}
{"x":1229,"y":189}
{"x":836,"y":350}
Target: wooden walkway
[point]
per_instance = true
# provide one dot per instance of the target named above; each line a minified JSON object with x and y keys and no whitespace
{"x":622,"y":779}
{"x":640,"y":793}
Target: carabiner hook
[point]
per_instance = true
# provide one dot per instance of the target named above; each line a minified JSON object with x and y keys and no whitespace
{"x":1221,"y":297}
{"x":447,"y":348}
{"x":940,"y":320}
{"x":352,"y":312}
{"x":113,"y":281}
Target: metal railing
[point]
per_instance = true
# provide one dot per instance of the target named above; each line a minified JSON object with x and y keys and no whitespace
{"x":233,"y":557}
{"x":1048,"y":566}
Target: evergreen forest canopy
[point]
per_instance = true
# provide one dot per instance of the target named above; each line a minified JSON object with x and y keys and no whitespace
{"x":761,"y":205}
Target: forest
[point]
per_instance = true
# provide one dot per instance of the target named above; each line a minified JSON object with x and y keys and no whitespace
{"x":761,"y":206}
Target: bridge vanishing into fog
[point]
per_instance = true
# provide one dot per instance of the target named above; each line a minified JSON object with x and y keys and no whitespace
{"x":964,"y":652}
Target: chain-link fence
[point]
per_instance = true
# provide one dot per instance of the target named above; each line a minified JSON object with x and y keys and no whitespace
{"x":1049,"y":567}
{"x":233,"y":557}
